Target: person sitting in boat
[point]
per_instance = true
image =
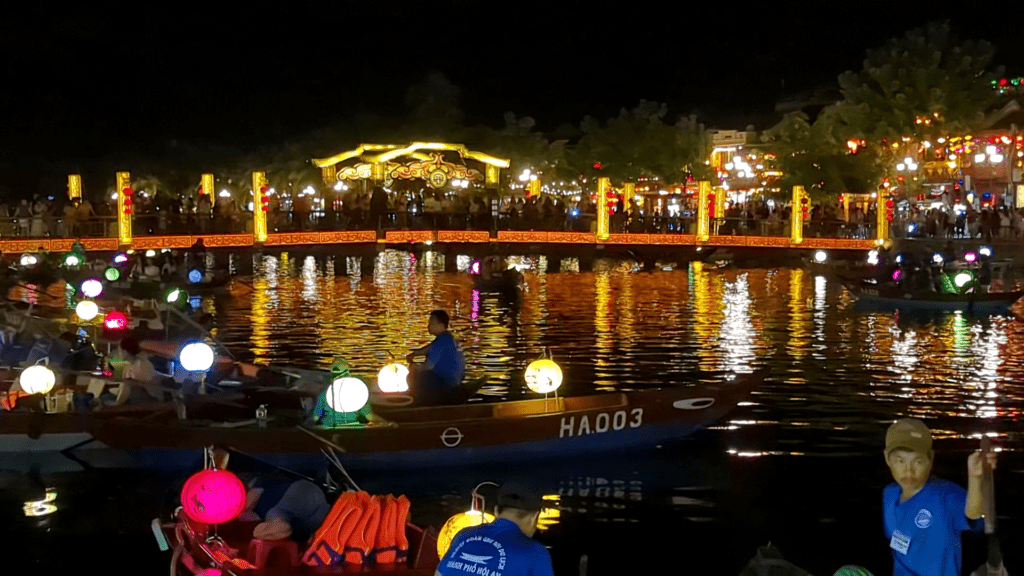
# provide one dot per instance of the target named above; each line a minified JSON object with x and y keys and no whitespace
{"x":324,"y":415}
{"x":924,"y":516}
{"x":506,"y":545}
{"x":438,"y":379}
{"x":285,"y":506}
{"x":169,"y":268}
{"x":140,"y":382}
{"x":984,"y":273}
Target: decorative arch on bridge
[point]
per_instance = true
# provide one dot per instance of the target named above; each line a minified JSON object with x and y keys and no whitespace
{"x":386,"y":163}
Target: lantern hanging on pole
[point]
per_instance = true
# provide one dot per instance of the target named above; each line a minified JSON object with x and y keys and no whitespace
{"x":213,"y":497}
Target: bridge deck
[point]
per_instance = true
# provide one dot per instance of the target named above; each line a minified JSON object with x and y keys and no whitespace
{"x":398,"y":237}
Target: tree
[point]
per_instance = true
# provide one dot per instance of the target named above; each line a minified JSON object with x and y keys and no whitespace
{"x":640,"y":143}
{"x":817,"y":158}
{"x":435,"y":108}
{"x":924,"y":85}
{"x":523,"y":146}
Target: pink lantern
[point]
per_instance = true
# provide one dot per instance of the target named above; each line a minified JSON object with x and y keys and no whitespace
{"x":213,"y":496}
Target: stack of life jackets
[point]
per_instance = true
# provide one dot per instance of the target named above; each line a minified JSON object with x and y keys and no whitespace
{"x":361,"y":530}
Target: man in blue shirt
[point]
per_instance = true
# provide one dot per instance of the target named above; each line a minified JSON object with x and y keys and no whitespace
{"x":503,"y":547}
{"x":924,"y":516}
{"x":438,"y":380}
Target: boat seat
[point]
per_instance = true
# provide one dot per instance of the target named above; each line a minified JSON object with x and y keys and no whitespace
{"x":273,"y":553}
{"x":528,"y":407}
{"x":575,"y":403}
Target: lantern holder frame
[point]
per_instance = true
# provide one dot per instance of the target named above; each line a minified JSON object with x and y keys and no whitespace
{"x":478,"y":503}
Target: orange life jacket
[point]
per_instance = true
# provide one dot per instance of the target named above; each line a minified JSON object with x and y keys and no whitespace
{"x":328,"y":544}
{"x":362,"y":540}
{"x":361,"y":529}
{"x":10,"y":399}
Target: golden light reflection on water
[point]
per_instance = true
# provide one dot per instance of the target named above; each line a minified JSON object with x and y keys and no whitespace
{"x":617,"y":329}
{"x":602,"y":326}
{"x":798,"y":315}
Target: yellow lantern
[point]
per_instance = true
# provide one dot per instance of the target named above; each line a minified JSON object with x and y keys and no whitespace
{"x":87,"y":310}
{"x":37,"y":379}
{"x":393,"y":378}
{"x":455,"y":524}
{"x":543,"y":376}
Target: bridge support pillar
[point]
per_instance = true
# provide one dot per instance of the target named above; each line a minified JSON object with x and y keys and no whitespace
{"x":367,"y":262}
{"x":554,"y":264}
{"x":586,"y":262}
{"x":451,"y":262}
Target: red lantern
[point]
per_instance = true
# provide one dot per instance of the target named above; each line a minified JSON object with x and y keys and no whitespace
{"x":597,"y":165}
{"x":127,"y":210}
{"x":127,"y":191}
{"x":213,"y":496}
{"x":128,"y":202}
{"x":115,"y":320}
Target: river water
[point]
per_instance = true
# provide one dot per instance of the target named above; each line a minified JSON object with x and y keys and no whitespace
{"x":800,"y":465}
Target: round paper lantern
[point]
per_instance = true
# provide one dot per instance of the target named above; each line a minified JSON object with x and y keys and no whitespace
{"x":120,"y":258}
{"x":393,"y":378}
{"x":196,"y":357}
{"x":543,"y":376}
{"x":820,"y":256}
{"x":150,"y":253}
{"x":455,"y":524}
{"x":37,"y":379}
{"x":92,"y":288}
{"x":195,"y":275}
{"x":72,"y":260}
{"x":213,"y":497}
{"x":87,"y":310}
{"x":28,"y":260}
{"x":115,"y":320}
{"x":347,"y":394}
{"x":970,"y":257}
{"x":112,"y":274}
{"x":985,"y":251}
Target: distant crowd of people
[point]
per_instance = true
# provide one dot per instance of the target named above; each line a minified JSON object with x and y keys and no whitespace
{"x":378,"y":209}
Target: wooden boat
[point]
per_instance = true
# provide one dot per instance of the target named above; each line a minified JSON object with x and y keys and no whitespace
{"x":472,"y":433}
{"x":145,"y":289}
{"x":894,"y":296}
{"x":467,"y":434}
{"x":234,"y":551}
{"x":505,"y":283}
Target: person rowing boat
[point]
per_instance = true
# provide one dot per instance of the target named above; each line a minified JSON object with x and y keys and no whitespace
{"x":438,"y":379}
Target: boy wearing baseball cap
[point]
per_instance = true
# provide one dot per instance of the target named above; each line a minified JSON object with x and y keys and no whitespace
{"x":924,"y":516}
{"x":503,"y":547}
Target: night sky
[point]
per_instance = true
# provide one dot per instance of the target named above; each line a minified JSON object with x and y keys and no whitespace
{"x":94,"y":92}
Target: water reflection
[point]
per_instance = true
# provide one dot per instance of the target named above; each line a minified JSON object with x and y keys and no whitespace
{"x":842,"y":370}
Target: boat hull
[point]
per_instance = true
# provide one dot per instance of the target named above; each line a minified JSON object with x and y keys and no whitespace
{"x":445,"y":436}
{"x":895,"y":298}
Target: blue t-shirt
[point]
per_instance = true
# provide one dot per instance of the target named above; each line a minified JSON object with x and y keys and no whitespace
{"x":496,"y":549}
{"x":924,"y":532}
{"x":447,"y":359}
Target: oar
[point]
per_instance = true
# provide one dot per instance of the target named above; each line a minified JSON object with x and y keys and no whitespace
{"x":994,"y":565}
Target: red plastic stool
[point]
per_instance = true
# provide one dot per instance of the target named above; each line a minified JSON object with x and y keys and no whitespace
{"x":260,"y":551}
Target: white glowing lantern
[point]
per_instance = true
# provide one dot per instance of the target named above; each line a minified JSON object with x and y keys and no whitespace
{"x":87,"y":310}
{"x":150,"y":253}
{"x":196,"y":357}
{"x":393,"y":378}
{"x":820,"y":256}
{"x":962,"y":279}
{"x":37,"y":379}
{"x":347,"y":394}
{"x":543,"y":376}
{"x":92,"y":288}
